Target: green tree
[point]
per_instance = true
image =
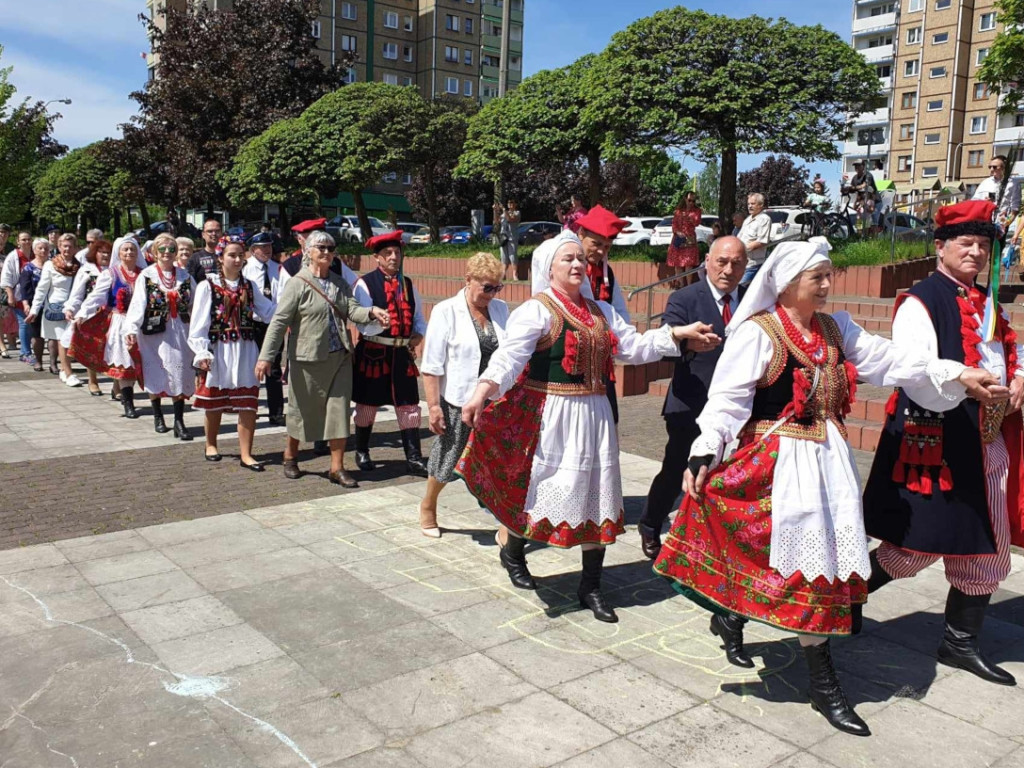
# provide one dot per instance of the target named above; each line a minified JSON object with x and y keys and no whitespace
{"x":779,"y":179}
{"x":75,"y":187}
{"x":665,"y":181}
{"x":720,"y":86}
{"x":709,"y":181}
{"x":1003,"y":67}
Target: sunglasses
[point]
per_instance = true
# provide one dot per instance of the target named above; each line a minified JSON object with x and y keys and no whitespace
{"x":326,"y":248}
{"x":995,"y":167}
{"x":489,"y":289}
{"x":167,"y":249}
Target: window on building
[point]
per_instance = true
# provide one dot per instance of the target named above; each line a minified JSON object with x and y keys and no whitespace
{"x":980,"y":91}
{"x":979,"y":124}
{"x":467,"y":87}
{"x":408,"y":23}
{"x":911,"y":68}
{"x":348,"y":42}
{"x":987,"y":21}
{"x":468,"y":25}
{"x":389,"y":178}
{"x":467,"y":57}
{"x":451,"y":85}
{"x":451,"y":23}
{"x":407,"y":52}
{"x":407,"y":179}
{"x":909,"y":100}
{"x":878,"y":10}
{"x":406,"y":80}
{"x":883,"y":70}
{"x":451,"y":53}
{"x":390,"y":79}
{"x":515,"y":32}
{"x":929,"y":171}
{"x":1018,"y":120}
{"x":515,"y":63}
{"x":935,"y":105}
{"x":903,"y":162}
{"x":390,"y":20}
{"x":914,"y":5}
{"x":976,"y":158}
{"x":913,"y":35}
{"x":489,"y":91}
{"x":937,"y":72}
{"x":940,"y":38}
{"x":878,"y":42}
{"x":941,"y":5}
{"x":316,"y":29}
{"x":932,"y":138}
{"x":906,"y":131}
{"x":980,"y":57}
{"x":350,"y":76}
{"x":348,"y":11}
{"x":391,"y":51}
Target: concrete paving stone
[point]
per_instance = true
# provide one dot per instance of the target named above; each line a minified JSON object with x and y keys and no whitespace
{"x":262,"y":688}
{"x":614,"y":754}
{"x":43,"y":581}
{"x":187,"y":617}
{"x":324,"y":731}
{"x":371,"y":659}
{"x":888,"y":604}
{"x":304,"y":612}
{"x":383,"y":757}
{"x":391,"y":570}
{"x":485,"y":625}
{"x":434,"y":696}
{"x":895,"y":667}
{"x":968,"y":698}
{"x":257,"y":569}
{"x":707,"y":737}
{"x":910,"y":733}
{"x":24,"y":744}
{"x":931,"y":582}
{"x":549,"y":658}
{"x":30,"y":558}
{"x":169,"y":534}
{"x":440,"y":593}
{"x":216,"y":652}
{"x":219,"y":549}
{"x":20,"y":616}
{"x":624,"y":698}
{"x":106,"y":570}
{"x":546,"y":731}
{"x":343,"y":550}
{"x":803,"y":760}
{"x":104,"y":545}
{"x":145,"y":591}
{"x":75,"y":606}
{"x":1012,"y":760}
{"x":321,"y":529}
{"x":286,"y":514}
{"x":1007,"y":607}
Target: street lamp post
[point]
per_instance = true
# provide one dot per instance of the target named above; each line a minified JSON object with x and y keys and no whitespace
{"x":56,"y":101}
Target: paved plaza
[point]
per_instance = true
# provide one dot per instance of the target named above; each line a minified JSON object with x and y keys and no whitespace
{"x":309,"y":626}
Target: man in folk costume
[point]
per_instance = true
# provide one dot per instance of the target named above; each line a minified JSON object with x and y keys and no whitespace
{"x":385,"y":372}
{"x":946,"y":480}
{"x":268,"y":277}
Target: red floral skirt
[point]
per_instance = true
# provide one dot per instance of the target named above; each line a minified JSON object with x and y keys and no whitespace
{"x":720,"y":548}
{"x":88,"y":341}
{"x":224,"y":400}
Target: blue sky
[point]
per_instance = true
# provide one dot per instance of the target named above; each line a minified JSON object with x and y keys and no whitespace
{"x":88,"y":50}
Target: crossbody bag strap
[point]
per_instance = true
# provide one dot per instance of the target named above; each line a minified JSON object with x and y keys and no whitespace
{"x":326,"y":298}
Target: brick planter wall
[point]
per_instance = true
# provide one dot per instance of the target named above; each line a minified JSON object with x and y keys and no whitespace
{"x":881,"y":281}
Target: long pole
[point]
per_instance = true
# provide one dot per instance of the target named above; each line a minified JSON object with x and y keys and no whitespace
{"x":506,"y":23}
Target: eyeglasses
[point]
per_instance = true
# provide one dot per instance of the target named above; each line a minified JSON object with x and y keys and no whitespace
{"x":326,"y":248}
{"x":489,"y":289}
{"x":167,"y":249}
{"x":995,"y":167}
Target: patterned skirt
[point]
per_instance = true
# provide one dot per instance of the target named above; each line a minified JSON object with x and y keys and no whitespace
{"x":448,"y":448}
{"x":233,"y":400}
{"x":720,"y":548}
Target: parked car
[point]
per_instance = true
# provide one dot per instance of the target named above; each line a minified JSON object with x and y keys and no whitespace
{"x":638,"y":232}
{"x":907,"y":227}
{"x":345,"y":229}
{"x":462,"y":237}
{"x":410,"y":228}
{"x":159,"y":227}
{"x":536,"y":232}
{"x":448,"y":233}
{"x":662,"y":233}
{"x":422,"y":235}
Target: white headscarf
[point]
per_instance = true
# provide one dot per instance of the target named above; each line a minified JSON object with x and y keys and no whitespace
{"x":115,"y":254}
{"x":544,"y":255}
{"x":787,"y":261}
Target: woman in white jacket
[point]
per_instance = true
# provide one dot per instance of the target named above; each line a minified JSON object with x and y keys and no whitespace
{"x":52,"y":292}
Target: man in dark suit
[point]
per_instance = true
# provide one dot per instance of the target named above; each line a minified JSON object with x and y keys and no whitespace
{"x":710,"y":300}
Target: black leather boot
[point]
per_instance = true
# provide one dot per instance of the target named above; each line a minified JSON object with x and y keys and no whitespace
{"x":363,"y":460}
{"x":589,"y":592}
{"x":878,"y":579}
{"x":158,"y":416}
{"x":128,"y":402}
{"x":827,"y":695}
{"x":513,"y":557}
{"x":730,"y":629}
{"x":650,"y":540}
{"x":413,"y":457}
{"x":965,"y":615}
{"x":180,"y":431}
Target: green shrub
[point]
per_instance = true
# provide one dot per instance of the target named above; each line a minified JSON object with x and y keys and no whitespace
{"x":853,"y":253}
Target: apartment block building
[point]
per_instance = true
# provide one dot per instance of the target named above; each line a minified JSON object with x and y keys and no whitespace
{"x":938,"y":124}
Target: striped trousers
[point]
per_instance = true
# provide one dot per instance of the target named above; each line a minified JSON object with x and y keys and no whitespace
{"x":972,"y":575}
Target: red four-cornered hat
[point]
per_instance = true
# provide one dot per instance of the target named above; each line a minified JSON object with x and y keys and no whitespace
{"x":309,"y":225}
{"x":603,"y":222}
{"x":961,"y":213}
{"x":380,"y":242}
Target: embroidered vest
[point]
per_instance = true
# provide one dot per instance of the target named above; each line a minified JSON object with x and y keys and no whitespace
{"x":570,"y":359}
{"x":158,"y":307}
{"x":116,"y":286}
{"x":827,"y":401}
{"x":229,"y":322}
{"x":374,"y":282}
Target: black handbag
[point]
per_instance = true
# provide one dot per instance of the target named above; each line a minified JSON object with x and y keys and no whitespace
{"x":53,"y":312}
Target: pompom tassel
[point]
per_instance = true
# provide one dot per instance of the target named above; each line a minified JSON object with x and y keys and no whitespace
{"x":926,"y":482}
{"x":899,"y":475}
{"x":913,"y":481}
{"x":890,"y":404}
{"x":572,"y":346}
{"x":945,"y":479}
{"x":801,"y":388}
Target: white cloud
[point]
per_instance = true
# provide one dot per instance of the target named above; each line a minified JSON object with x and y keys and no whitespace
{"x":77,"y":22}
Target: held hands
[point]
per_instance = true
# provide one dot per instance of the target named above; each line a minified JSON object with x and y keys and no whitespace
{"x":262,"y":370}
{"x":381,"y":315}
{"x":983,"y":386}
{"x":131,"y":340}
{"x":436,"y":420}
{"x":69,"y":315}
{"x":701,"y":332}
{"x":694,"y":486}
{"x":712,"y":340}
{"x":30,"y":317}
{"x":472,"y":410}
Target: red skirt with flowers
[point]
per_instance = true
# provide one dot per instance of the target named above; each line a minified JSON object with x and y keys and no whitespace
{"x":224,"y":400}
{"x":88,"y":341}
{"x":720,"y":548}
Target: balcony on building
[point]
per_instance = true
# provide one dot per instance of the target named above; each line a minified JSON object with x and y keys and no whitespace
{"x":867,"y":23}
{"x":493,"y":9}
{"x":853,"y":150}
{"x":879,"y":116}
{"x":877,"y":54}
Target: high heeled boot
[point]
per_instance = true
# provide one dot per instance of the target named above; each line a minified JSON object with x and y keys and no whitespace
{"x":128,"y":403}
{"x":180,"y":431}
{"x":589,"y":592}
{"x":965,"y":615}
{"x":826,"y":694}
{"x":159,"y":425}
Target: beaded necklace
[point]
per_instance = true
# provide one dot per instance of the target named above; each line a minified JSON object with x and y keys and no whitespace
{"x":815,"y":348}
{"x":168,"y":283}
{"x":578,"y":309}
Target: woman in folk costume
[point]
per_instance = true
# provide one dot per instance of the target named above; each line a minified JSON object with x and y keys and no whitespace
{"x":158,"y":323}
{"x":544,"y":458}
{"x":223,"y":336}
{"x":946,"y":480}
{"x":97,"y":258}
{"x":776,"y":533}
{"x":102,"y":320}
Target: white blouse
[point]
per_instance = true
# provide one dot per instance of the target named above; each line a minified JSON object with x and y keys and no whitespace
{"x":451,"y":349}
{"x":136,"y":314}
{"x":202,"y":304}
{"x":255,"y":270}
{"x":531,"y":320}
{"x":77,"y":295}
{"x":53,"y":288}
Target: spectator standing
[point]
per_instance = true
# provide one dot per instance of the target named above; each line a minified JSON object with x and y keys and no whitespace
{"x":185,"y":250}
{"x":5,"y":235}
{"x":205,"y":259}
{"x":576,"y":212}
{"x":682,"y":251}
{"x":9,"y":277}
{"x":507,"y":222}
{"x":862,"y":184}
{"x":90,"y":237}
{"x":737,"y":223}
{"x":53,"y":233}
{"x":267,"y":276}
{"x":755,"y":235}
{"x":1007,"y":203}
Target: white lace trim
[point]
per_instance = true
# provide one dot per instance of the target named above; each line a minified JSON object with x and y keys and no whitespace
{"x":817,"y":551}
{"x":945,"y":377}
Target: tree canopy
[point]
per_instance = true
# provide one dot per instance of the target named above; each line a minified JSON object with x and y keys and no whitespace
{"x":718,"y":86}
{"x":76,"y":185}
{"x":1003,"y":67}
{"x":779,"y":179}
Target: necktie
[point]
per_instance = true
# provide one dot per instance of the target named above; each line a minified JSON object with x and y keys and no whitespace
{"x":726,"y":309}
{"x":266,"y":282}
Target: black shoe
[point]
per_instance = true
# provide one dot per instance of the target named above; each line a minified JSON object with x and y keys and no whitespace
{"x":180,"y":431}
{"x":965,"y":615}
{"x":321,"y":448}
{"x":213,"y":457}
{"x":826,"y":694}
{"x":277,"y":419}
{"x":363,"y":460}
{"x":128,"y":403}
{"x":159,"y":425}
{"x":291,"y":469}
{"x":413,"y":457}
{"x":730,"y":629}
{"x":254,"y":467}
{"x":650,"y":541}
{"x":878,"y":579}
{"x":513,"y":557}
{"x":589,"y":592}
